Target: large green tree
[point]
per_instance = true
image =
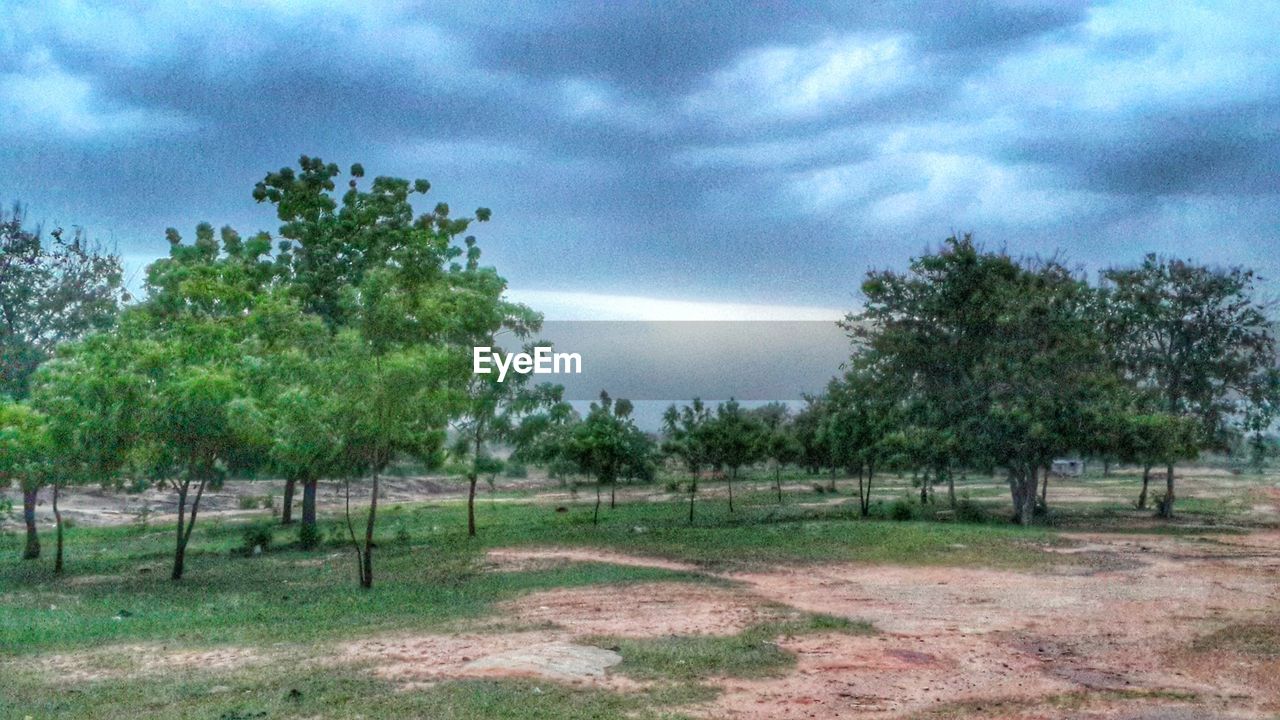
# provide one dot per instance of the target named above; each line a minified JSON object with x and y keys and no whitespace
{"x":1196,"y":336}
{"x":998,"y":361}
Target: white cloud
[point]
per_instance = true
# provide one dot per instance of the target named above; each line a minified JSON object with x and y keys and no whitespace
{"x":42,"y":96}
{"x":1188,"y":54}
{"x":793,"y":82}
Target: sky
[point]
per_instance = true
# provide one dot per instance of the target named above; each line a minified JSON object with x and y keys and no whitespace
{"x":709,"y":159}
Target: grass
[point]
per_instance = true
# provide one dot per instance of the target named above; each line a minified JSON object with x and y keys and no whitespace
{"x":294,"y":693}
{"x":431,"y":578}
{"x":751,"y":653}
{"x":1258,"y":639}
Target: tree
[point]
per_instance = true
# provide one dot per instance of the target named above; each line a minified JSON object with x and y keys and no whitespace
{"x":734,"y":438}
{"x":860,"y":417}
{"x":686,"y":439}
{"x":1004,"y":353}
{"x":493,"y":411}
{"x":490,"y":407}
{"x":190,"y":339}
{"x":25,"y":450}
{"x":50,"y":293}
{"x":1155,"y":438}
{"x":90,"y":401}
{"x":1194,"y":335}
{"x":606,"y":443}
{"x":779,"y":443}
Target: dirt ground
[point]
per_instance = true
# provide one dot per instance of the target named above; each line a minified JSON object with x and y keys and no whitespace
{"x":1114,"y":625}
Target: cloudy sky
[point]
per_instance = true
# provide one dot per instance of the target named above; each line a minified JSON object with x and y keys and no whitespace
{"x":730,"y":153}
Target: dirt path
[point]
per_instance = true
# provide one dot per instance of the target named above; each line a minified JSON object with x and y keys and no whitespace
{"x":1114,"y":637}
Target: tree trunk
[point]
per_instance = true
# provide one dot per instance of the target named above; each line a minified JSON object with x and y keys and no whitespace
{"x":924,"y":488}
{"x":57,"y":518}
{"x":180,"y":548}
{"x":1022,"y":484}
{"x":613,"y":492}
{"x":1146,"y":481}
{"x":1106,"y":467}
{"x":866,"y":499}
{"x":1166,"y":505}
{"x":32,"y":550}
{"x":693,"y":491}
{"x":951,"y":489}
{"x":471,"y":505}
{"x":184,"y":534}
{"x":286,"y":512}
{"x":366,"y":580}
{"x":1044,"y":491}
{"x":777,"y":480}
{"x":309,"y":504}
{"x":733,"y":472}
{"x":595,"y":518}
{"x":831,"y":484}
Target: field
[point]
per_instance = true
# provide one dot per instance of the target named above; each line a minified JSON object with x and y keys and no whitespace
{"x":791,"y":610}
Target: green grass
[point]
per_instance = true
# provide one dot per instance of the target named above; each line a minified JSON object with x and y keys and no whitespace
{"x":429,"y":578}
{"x":428,"y":573}
{"x":299,"y":693}
{"x":1260,"y":639}
{"x":751,"y":653}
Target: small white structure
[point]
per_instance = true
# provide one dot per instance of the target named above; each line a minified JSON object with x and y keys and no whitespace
{"x":1068,"y":468}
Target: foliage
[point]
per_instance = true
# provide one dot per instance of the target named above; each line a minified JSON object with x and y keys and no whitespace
{"x":50,"y":293}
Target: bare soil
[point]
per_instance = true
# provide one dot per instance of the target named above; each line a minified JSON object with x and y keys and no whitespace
{"x":1112,"y":638}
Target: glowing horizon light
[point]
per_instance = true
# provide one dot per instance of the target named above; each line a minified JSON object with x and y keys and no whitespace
{"x":573,"y":305}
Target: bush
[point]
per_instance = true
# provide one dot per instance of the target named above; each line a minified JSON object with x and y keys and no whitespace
{"x":902,"y":509}
{"x":515,"y":470}
{"x":256,"y":536}
{"x":819,"y":488}
{"x":673,"y":486}
{"x":247,"y":502}
{"x":968,"y":511}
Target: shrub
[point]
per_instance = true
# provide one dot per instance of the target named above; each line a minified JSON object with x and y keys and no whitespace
{"x":902,"y":509}
{"x":819,"y":488}
{"x":256,"y":536}
{"x":247,"y":502}
{"x":673,"y":486}
{"x":968,"y":511}
{"x":515,"y":470}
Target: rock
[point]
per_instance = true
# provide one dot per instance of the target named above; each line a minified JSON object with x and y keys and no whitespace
{"x":554,"y":661}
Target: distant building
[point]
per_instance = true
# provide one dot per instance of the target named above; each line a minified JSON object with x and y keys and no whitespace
{"x":1068,"y":468}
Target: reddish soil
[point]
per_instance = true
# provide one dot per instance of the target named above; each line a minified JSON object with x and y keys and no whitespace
{"x":1110,"y":635}
{"x":646,"y":610}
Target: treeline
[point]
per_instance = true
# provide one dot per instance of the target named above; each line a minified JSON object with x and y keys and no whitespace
{"x":973,"y":361}
{"x":342,"y":344}
{"x":327,"y":351}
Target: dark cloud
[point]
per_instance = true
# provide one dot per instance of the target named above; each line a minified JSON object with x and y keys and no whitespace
{"x":758,"y":151}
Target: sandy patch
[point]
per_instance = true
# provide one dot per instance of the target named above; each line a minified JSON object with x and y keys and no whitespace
{"x":642,"y":610}
{"x":419,"y":660}
{"x":517,"y":559}
{"x":121,"y":661}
